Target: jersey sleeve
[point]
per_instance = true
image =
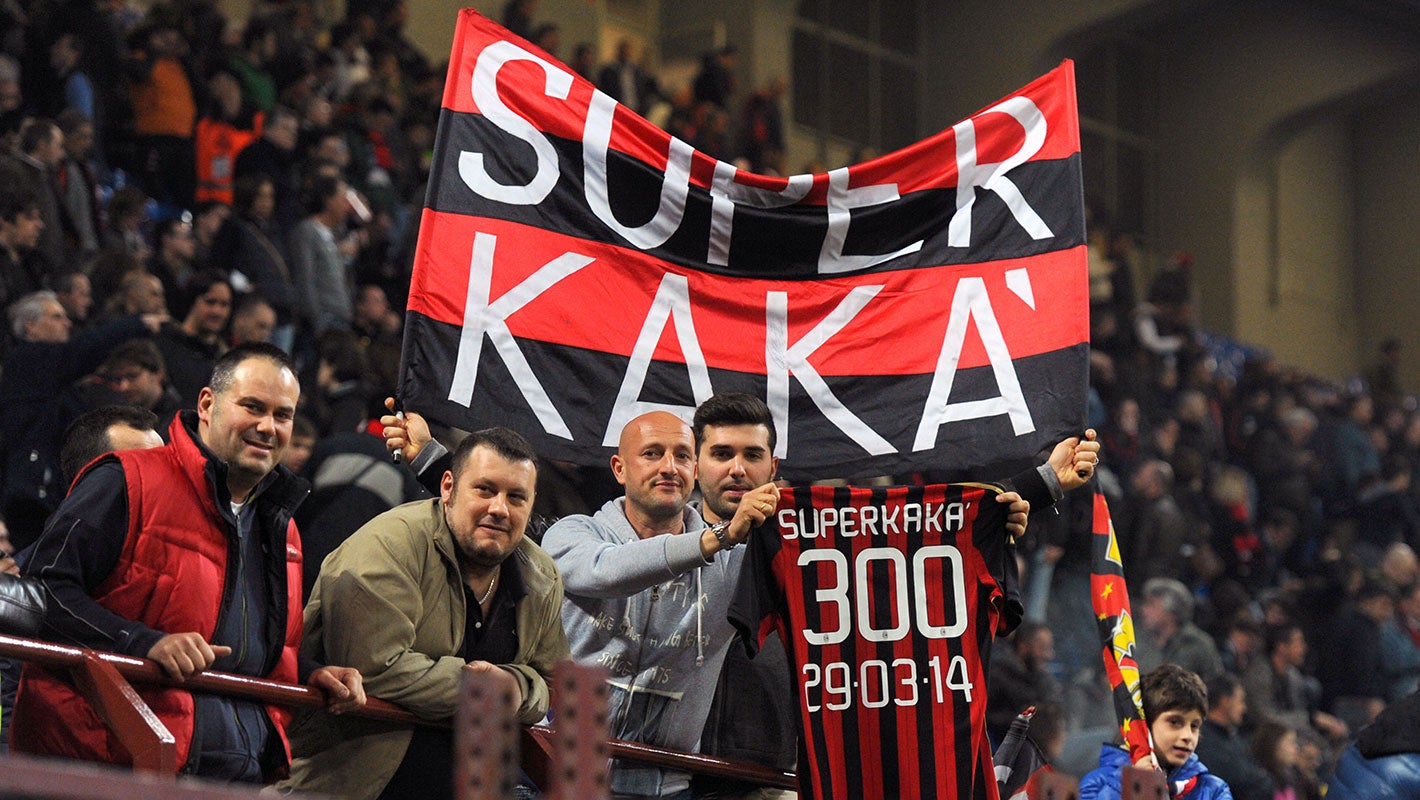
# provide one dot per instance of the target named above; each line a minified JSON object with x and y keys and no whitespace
{"x":755,"y":608}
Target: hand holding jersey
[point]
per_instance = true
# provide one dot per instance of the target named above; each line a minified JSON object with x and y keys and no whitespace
{"x":754,"y":509}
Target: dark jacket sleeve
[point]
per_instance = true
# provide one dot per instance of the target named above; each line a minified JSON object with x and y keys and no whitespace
{"x":21,"y":605}
{"x":1037,"y":486}
{"x":77,"y":552}
{"x":430,"y":465}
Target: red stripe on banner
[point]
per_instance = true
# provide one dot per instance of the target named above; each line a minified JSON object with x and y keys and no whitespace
{"x":526,"y":88}
{"x":604,"y":305}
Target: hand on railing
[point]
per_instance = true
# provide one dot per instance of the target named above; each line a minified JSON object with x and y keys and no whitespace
{"x":344,"y":688}
{"x":183,"y":655}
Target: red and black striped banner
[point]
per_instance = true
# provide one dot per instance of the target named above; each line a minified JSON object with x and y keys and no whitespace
{"x":577,"y":266}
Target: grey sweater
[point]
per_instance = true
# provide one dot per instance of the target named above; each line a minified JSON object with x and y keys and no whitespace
{"x":653,"y":612}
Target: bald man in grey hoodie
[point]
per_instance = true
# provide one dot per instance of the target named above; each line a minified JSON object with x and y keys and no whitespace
{"x":648,"y":588}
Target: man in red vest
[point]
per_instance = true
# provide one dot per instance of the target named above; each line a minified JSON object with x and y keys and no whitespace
{"x":186,"y":554}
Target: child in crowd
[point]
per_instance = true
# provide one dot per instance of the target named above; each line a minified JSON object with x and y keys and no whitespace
{"x":1278,"y":749}
{"x":1175,"y":702}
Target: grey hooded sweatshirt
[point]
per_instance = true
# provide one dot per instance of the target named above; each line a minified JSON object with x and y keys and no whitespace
{"x":655,"y":613}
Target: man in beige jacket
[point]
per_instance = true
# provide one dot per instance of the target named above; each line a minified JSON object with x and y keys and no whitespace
{"x":414,"y":598}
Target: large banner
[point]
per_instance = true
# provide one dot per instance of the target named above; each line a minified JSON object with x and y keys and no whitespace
{"x":577,"y":267}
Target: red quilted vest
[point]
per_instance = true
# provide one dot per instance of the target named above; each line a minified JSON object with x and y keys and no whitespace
{"x":170,"y":577}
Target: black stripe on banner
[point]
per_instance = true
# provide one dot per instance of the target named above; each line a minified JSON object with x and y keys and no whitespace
{"x":783,"y":242}
{"x":583,"y":385}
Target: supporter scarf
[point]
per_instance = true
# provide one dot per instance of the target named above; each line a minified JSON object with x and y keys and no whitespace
{"x":1110,"y":599}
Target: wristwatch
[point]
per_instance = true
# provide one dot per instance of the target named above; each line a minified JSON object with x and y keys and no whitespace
{"x":721,"y":531}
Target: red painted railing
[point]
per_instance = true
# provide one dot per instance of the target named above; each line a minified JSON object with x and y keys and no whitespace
{"x":105,"y":679}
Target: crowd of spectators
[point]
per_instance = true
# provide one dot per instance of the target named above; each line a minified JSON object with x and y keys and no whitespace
{"x":174,"y":183}
{"x":1267,"y":523}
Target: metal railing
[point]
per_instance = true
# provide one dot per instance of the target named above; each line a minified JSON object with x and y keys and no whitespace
{"x":106,"y":681}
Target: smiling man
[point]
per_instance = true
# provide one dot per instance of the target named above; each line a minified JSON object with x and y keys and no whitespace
{"x":416,"y":597}
{"x":649,"y":586}
{"x":186,"y":554}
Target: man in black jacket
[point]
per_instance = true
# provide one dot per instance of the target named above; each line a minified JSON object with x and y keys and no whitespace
{"x":1223,"y":748}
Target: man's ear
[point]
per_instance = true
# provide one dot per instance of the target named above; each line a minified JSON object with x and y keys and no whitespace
{"x":446,"y":486}
{"x":618,"y":469}
{"x":205,"y":399}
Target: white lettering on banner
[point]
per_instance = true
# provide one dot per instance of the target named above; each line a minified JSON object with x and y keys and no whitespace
{"x":726,"y":193}
{"x":675,"y":181}
{"x":672,"y":302}
{"x":841,"y":201}
{"x":484,"y":87}
{"x":484,"y":317}
{"x":992,"y":177}
{"x":971,"y":302}
{"x":780,"y":359}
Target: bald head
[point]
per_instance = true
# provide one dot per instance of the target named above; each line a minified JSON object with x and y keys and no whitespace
{"x":655,"y":461}
{"x":652,"y":423}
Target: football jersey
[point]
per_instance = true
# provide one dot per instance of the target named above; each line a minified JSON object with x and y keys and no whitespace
{"x":887,"y":600}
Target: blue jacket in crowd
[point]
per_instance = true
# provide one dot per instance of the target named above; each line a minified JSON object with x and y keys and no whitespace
{"x":1384,"y":761}
{"x":1103,"y":782}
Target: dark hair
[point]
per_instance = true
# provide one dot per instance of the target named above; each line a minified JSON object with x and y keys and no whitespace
{"x":380,"y":105}
{"x":126,"y":200}
{"x":246,"y":188}
{"x":341,"y":350}
{"x":205,"y":207}
{"x":1264,"y":749}
{"x":72,"y":119}
{"x":64,"y":281}
{"x":36,"y":132}
{"x":1373,"y":588}
{"x":320,"y":189}
{"x":341,"y":31}
{"x":1027,"y":631}
{"x":1221,"y":687}
{"x":733,"y":408}
{"x":17,"y":195}
{"x":165,"y":227}
{"x":302,"y":426}
{"x":506,"y":442}
{"x":1277,"y":635}
{"x":224,"y":371}
{"x":1172,"y":688}
{"x":198,"y":284}
{"x":86,"y":438}
{"x":257,"y":27}
{"x":244,"y":303}
{"x":141,"y":353}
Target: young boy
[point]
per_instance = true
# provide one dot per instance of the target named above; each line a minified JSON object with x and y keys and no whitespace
{"x":1175,"y":702}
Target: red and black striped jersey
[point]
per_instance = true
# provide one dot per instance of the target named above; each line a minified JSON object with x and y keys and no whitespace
{"x":888,"y":600}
